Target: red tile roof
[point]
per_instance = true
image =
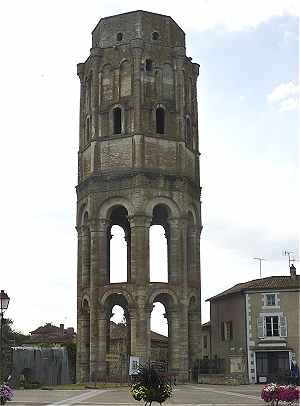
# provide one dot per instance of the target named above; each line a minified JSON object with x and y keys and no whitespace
{"x":271,"y":282}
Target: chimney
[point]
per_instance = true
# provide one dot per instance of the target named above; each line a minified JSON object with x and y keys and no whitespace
{"x":293,"y":271}
{"x":61,"y":330}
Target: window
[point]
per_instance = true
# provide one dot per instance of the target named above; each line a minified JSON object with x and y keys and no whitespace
{"x":117,"y":120}
{"x":270,"y":300}
{"x":148,"y":65}
{"x":119,"y":36}
{"x":270,"y":325}
{"x":226,"y":330}
{"x":204,"y":341}
{"x":272,"y":328}
{"x":155,"y":35}
{"x":160,"y":120}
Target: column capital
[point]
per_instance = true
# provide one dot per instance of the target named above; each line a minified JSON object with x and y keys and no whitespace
{"x":140,"y":220}
{"x":98,"y":224}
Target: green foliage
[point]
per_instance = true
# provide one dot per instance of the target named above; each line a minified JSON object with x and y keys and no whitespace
{"x":150,"y":386}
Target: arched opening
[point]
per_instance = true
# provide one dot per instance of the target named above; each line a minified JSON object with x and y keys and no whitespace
{"x":117,"y":120}
{"x":118,"y":338}
{"x":118,"y":255}
{"x":158,"y":245}
{"x":158,"y":254}
{"x":119,"y":246}
{"x":125,"y":79}
{"x":160,"y":120}
{"x":163,"y":321}
{"x":159,"y":334}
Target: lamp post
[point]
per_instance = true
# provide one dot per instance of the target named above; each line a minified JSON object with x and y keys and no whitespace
{"x":4,"y":302}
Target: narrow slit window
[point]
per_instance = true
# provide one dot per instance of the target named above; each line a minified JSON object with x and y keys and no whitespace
{"x":148,"y":65}
{"x":160,"y":121}
{"x":117,"y":118}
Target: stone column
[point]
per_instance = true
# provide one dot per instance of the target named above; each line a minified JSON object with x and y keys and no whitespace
{"x":143,"y":334}
{"x":103,"y":259}
{"x":174,"y":251}
{"x":137,"y":49}
{"x":96,"y":54}
{"x":95,"y":249}
{"x":194,"y":329}
{"x":180,"y":90}
{"x":79,"y":287}
{"x":139,"y":225}
{"x":193,"y":240}
{"x":85,"y":257}
{"x":102,"y":334}
{"x":80,"y":73}
{"x":173,"y":340}
{"x":84,"y":347}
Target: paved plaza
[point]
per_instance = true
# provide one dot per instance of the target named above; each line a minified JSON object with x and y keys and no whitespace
{"x":184,"y":395}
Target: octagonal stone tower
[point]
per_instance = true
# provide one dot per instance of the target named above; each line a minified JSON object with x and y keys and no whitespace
{"x":138,"y":165}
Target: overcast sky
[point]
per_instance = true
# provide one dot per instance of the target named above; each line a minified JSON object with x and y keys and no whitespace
{"x":248,"y":123}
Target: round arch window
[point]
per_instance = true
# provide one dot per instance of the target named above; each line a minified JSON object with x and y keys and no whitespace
{"x":119,"y":36}
{"x":155,"y":35}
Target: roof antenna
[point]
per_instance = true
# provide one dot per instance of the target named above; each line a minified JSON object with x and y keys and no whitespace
{"x":260,"y":259}
{"x":286,"y":253}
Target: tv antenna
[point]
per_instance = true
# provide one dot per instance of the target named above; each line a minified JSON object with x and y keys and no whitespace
{"x":259,"y":259}
{"x":286,"y":253}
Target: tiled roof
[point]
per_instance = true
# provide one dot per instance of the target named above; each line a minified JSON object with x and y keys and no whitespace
{"x":118,"y":331}
{"x":271,"y":282}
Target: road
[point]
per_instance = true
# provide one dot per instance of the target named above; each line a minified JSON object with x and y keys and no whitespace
{"x":184,"y":395}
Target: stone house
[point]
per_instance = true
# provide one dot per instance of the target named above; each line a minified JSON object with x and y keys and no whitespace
{"x":255,"y":327}
{"x":52,"y":334}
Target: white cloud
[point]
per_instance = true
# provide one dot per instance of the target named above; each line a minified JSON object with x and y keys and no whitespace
{"x":288,"y":104}
{"x":282,"y":91}
{"x":233,"y":15}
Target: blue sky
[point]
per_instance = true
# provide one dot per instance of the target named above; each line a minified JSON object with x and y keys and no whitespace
{"x":248,"y":129}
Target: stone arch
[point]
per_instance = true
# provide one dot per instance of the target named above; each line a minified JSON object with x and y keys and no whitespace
{"x":166,"y":201}
{"x":168,"y":81}
{"x":81,"y":213}
{"x":85,"y":301}
{"x":125,"y":78}
{"x":121,"y":295}
{"x":192,"y":210}
{"x":166,"y":294}
{"x":117,"y":338}
{"x":106,"y":83}
{"x":105,"y":208}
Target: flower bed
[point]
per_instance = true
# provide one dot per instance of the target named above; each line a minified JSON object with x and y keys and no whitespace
{"x":6,"y":393}
{"x":150,"y":386}
{"x":280,"y":393}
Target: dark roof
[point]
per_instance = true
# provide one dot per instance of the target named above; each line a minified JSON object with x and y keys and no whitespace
{"x":271,"y":282}
{"x":46,"y":329}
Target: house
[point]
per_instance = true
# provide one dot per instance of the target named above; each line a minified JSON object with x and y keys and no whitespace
{"x":52,"y":335}
{"x":255,"y":327}
{"x":206,"y":340}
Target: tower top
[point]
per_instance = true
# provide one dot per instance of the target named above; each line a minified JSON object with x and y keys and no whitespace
{"x":156,"y":29}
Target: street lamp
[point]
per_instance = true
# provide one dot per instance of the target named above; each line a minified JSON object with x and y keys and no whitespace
{"x":4,"y":302}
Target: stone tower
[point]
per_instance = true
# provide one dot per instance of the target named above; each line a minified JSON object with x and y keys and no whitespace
{"x":138,"y":165}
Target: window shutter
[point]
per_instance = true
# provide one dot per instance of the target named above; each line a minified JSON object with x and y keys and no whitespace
{"x":260,"y":327}
{"x":231,"y":330}
{"x":283,"y":326}
{"x":222,"y":331}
